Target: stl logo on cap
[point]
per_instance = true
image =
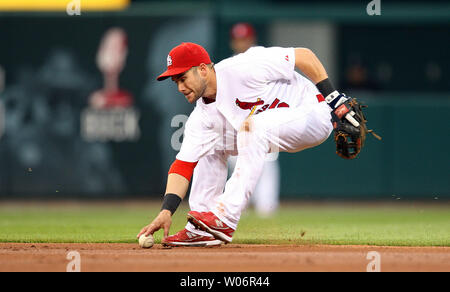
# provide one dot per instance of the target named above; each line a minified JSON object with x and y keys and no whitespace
{"x":182,"y":58}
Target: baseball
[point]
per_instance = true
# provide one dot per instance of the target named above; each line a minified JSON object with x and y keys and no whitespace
{"x":146,"y":241}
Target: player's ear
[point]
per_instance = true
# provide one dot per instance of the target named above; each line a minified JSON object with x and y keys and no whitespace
{"x":202,"y":69}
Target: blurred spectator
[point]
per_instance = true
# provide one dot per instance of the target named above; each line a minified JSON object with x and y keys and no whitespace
{"x":42,"y":132}
{"x":266,"y":195}
{"x":111,"y":58}
{"x":243,"y":37}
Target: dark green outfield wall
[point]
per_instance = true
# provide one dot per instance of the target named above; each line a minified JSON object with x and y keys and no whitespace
{"x":412,"y":160}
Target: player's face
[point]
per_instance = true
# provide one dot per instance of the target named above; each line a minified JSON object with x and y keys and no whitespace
{"x":191,"y":84}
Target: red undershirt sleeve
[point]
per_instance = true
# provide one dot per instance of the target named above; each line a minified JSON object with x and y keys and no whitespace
{"x":183,"y":168}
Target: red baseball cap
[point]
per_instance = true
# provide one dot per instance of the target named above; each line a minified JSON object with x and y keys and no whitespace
{"x":183,"y":57}
{"x":242,"y":30}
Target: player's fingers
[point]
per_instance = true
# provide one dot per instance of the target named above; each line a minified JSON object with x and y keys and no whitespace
{"x":151,"y":229}
{"x":166,"y":231}
{"x":143,"y":230}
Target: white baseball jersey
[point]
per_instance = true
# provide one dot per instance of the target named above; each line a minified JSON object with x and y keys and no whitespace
{"x":257,"y":80}
{"x":247,"y":84}
{"x":285,"y":111}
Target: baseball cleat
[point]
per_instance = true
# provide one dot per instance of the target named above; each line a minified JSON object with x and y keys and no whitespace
{"x":207,"y":221}
{"x":187,"y":238}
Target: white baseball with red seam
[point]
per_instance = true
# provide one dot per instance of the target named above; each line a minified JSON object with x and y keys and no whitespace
{"x":146,"y":241}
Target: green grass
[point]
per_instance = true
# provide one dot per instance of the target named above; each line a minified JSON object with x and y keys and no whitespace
{"x":394,"y":225}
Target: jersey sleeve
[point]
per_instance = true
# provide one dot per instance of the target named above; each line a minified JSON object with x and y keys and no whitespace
{"x":199,"y":138}
{"x":183,"y":168}
{"x":271,"y":64}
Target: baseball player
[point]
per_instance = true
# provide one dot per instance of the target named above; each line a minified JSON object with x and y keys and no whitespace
{"x":265,"y":198}
{"x":242,"y":37}
{"x":250,"y":104}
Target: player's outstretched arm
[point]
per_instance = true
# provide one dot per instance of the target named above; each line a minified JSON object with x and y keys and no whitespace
{"x":310,"y":65}
{"x":177,"y":186}
{"x":307,"y":62}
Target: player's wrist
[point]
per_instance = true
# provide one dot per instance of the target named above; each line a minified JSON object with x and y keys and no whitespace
{"x":325,"y":87}
{"x":165,"y":212}
{"x":332,"y":96}
{"x":171,"y":203}
{"x":335,"y":99}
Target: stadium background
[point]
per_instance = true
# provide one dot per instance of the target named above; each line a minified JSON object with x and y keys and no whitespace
{"x":49,"y":71}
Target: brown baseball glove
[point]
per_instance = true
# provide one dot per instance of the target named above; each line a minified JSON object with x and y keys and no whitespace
{"x":350,"y":135}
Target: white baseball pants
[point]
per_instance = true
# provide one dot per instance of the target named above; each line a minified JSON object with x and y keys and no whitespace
{"x":281,"y":129}
{"x":265,"y":197}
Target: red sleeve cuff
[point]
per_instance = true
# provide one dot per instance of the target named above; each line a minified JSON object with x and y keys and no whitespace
{"x":183,"y":168}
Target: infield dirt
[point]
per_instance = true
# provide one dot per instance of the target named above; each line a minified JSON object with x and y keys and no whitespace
{"x":227,"y":258}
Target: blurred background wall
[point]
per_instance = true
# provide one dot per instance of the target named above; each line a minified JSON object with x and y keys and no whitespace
{"x":75,"y":122}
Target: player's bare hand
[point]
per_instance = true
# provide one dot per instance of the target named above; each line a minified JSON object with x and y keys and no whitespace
{"x":162,"y":221}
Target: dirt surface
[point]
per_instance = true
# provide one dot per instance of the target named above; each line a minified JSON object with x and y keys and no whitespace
{"x":227,"y":258}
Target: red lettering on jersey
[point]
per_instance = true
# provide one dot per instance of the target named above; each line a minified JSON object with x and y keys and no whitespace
{"x":251,"y":105}
{"x":274,"y":103}
{"x":248,"y":105}
{"x":286,"y":58}
{"x":263,"y":108}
